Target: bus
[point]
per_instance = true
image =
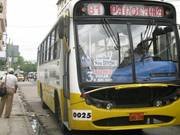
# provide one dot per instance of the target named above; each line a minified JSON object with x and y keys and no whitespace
{"x":111,"y":65}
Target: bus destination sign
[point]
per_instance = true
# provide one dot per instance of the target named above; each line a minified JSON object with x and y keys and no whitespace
{"x":95,"y":9}
{"x":136,"y":10}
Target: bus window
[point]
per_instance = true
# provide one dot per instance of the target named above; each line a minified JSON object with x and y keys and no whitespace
{"x":53,"y":37}
{"x":38,"y":55}
{"x":166,"y":43}
{"x":98,"y":53}
{"x":49,"y":47}
{"x":155,"y":46}
{"x":41,"y":54}
{"x":55,"y":51}
{"x":45,"y":50}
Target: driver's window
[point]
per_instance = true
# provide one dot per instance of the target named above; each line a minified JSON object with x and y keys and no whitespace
{"x":166,"y":45}
{"x":142,"y":41}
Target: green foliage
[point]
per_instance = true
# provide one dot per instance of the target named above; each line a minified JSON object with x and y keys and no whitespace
{"x":2,"y":64}
{"x":18,"y":63}
{"x":26,"y":66}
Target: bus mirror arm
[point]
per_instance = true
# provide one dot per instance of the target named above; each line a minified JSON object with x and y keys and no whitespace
{"x":178,"y":26}
{"x":66,"y":85}
{"x":61,"y":28}
{"x":66,"y":88}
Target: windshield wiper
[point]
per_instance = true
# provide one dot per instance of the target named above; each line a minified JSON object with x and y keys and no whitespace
{"x":145,"y":44}
{"x":149,"y":30}
{"x":110,"y":32}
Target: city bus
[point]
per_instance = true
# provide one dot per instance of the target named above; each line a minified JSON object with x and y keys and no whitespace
{"x":111,"y":65}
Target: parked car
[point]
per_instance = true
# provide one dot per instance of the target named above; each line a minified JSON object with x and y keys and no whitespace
{"x":32,"y":75}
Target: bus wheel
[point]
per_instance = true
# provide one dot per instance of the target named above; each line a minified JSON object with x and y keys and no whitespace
{"x":44,"y":106}
{"x":58,"y":114}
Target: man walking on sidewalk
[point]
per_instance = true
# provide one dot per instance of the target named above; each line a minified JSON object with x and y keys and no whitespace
{"x":10,"y":81}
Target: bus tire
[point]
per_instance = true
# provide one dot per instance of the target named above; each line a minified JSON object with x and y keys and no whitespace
{"x":43,"y":105}
{"x":58,"y":114}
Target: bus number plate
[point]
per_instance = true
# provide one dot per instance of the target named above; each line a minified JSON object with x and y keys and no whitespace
{"x":139,"y":116}
{"x":82,"y":114}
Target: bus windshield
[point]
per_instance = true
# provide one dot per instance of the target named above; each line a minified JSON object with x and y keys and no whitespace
{"x":121,"y":53}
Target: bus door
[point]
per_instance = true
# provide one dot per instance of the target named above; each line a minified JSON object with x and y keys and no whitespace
{"x":64,"y":32}
{"x":66,"y":89}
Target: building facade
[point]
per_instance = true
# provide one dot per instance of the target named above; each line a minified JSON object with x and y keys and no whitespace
{"x":3,"y":22}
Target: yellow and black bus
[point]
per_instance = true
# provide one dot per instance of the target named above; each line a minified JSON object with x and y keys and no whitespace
{"x":112,"y":65}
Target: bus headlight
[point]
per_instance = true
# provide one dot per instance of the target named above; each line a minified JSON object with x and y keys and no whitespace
{"x":109,"y":106}
{"x":168,"y":99}
{"x":158,"y":103}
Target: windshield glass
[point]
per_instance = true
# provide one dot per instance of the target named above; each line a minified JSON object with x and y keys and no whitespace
{"x":105,"y":53}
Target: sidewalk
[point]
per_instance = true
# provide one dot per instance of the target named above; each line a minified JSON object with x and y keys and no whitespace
{"x":18,"y":123}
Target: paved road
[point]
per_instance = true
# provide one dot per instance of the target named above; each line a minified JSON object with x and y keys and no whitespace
{"x":48,"y":123}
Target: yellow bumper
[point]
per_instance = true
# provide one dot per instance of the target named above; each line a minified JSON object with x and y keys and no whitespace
{"x":83,"y":116}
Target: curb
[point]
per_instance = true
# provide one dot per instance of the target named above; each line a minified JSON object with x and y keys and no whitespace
{"x":29,"y":127}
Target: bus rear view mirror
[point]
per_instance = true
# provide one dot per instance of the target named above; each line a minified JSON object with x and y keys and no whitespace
{"x":61,"y":28}
{"x":178,"y":26}
{"x":160,"y":31}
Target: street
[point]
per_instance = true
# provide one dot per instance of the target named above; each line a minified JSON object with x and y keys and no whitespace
{"x":43,"y":122}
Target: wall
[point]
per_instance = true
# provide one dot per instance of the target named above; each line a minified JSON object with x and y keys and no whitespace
{"x":3,"y":22}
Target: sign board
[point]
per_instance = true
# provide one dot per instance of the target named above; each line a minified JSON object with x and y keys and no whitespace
{"x":12,"y":50}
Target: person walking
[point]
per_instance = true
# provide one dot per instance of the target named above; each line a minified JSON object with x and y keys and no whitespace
{"x":10,"y":81}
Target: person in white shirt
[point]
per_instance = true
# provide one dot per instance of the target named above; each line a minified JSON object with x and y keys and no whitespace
{"x":10,"y":81}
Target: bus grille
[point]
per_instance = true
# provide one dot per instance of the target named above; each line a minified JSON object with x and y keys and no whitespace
{"x":124,"y":121}
{"x":132,"y":98}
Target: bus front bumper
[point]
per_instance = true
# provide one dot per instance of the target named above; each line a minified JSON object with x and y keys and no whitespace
{"x":88,"y":117}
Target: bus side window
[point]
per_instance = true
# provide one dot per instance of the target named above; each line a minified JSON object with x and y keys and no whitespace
{"x":165,"y":47}
{"x":49,"y":47}
{"x":38,"y":56}
{"x":55,"y":51}
{"x":45,"y":51}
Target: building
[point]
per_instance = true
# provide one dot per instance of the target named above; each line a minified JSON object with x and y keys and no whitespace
{"x":3,"y":22}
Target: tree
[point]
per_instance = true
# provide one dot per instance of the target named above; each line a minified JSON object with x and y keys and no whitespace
{"x":26,"y":66}
{"x":19,"y":62}
{"x":29,"y":67}
{"x":2,"y":64}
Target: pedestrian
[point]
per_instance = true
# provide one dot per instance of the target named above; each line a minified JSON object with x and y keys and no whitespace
{"x":10,"y":81}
